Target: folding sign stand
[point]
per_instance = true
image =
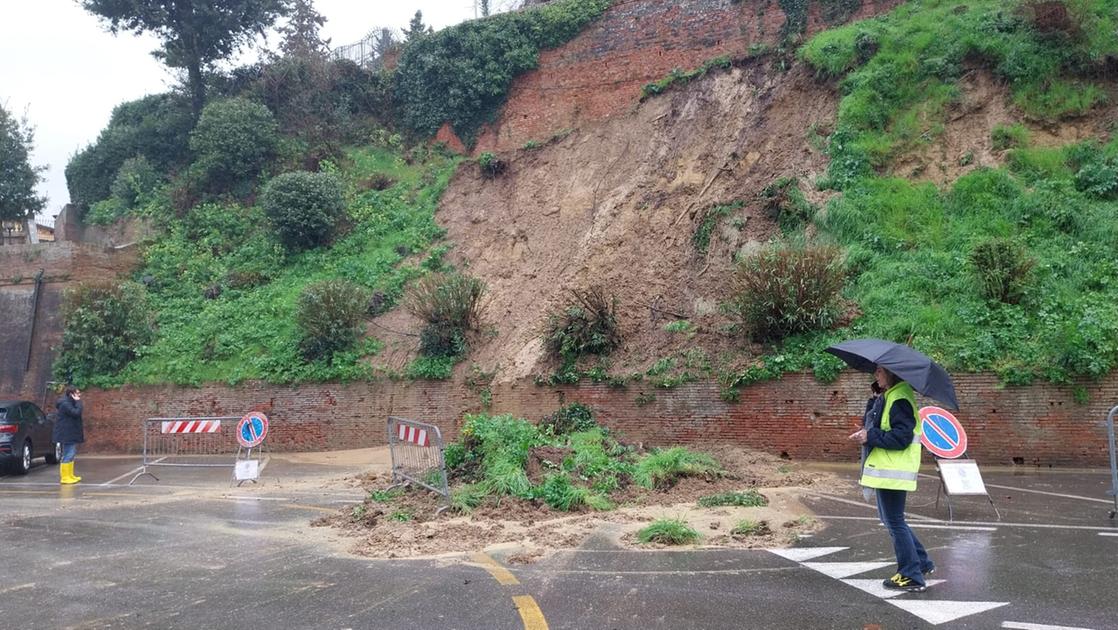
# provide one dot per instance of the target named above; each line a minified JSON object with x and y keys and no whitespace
{"x":945,"y":438}
{"x":960,"y":477}
{"x":251,"y":431}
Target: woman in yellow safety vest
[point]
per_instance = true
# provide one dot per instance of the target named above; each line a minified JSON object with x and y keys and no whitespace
{"x":893,"y":437}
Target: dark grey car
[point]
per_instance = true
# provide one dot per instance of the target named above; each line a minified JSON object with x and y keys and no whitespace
{"x":25,"y":433}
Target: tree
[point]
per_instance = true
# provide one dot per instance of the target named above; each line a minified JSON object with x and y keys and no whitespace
{"x":194,"y":33}
{"x":300,"y":34}
{"x":18,"y":178}
{"x":484,"y":8}
{"x":416,"y":28}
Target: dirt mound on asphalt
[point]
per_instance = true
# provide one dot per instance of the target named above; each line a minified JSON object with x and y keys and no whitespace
{"x":409,"y":524}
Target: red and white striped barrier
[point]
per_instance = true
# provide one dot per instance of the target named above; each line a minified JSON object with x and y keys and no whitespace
{"x":192,"y":426}
{"x":414,"y":435}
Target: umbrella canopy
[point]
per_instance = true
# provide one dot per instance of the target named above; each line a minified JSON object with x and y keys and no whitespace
{"x":925,"y":375}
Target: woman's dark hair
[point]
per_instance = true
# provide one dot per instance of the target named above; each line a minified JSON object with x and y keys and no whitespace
{"x":875,"y":387}
{"x":69,"y":391}
{"x":893,"y":378}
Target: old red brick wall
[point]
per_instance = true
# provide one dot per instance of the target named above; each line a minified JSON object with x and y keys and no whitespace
{"x":808,"y":420}
{"x":601,"y":72}
{"x":63,"y":264}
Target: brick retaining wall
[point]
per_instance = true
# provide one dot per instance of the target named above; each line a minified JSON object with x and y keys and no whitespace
{"x":1037,"y":425}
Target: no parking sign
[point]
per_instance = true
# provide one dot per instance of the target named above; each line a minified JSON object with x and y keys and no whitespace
{"x":252,"y":429}
{"x":941,"y":433}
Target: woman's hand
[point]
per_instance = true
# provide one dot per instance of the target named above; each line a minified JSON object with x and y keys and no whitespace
{"x":858,"y":436}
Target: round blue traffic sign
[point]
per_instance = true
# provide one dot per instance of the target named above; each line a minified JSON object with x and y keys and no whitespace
{"x":941,"y":433}
{"x":252,"y":429}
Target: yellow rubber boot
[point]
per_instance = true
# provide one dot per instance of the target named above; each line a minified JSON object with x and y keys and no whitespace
{"x":66,"y":471}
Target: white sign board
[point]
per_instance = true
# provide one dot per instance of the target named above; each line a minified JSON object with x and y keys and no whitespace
{"x":961,"y":477}
{"x":246,"y":469}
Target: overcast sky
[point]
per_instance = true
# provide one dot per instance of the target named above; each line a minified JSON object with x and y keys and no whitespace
{"x":66,"y":73}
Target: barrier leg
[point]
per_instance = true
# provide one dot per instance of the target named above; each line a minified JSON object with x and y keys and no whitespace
{"x":141,"y":474}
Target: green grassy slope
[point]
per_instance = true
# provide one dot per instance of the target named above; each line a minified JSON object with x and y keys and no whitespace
{"x":248,"y":330}
{"x":909,"y":244}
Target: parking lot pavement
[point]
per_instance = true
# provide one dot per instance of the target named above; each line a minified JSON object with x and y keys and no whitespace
{"x":191,"y":551}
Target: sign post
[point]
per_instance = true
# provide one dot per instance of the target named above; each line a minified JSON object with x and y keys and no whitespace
{"x":251,"y":431}
{"x":945,"y":438}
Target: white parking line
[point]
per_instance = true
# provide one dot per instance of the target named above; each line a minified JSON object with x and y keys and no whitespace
{"x":1108,"y":533}
{"x":966,"y":528}
{"x":130,"y":472}
{"x":1017,"y":625}
{"x":1050,"y":494}
{"x":911,"y":523}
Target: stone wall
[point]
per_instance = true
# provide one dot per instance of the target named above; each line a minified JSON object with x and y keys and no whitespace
{"x":797,"y":416}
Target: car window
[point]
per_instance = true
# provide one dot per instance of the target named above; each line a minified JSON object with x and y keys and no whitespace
{"x":32,"y":411}
{"x":13,"y":414}
{"x":3,"y":413}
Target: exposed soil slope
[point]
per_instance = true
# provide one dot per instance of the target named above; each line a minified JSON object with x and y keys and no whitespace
{"x":616,"y":204}
{"x":966,"y":144}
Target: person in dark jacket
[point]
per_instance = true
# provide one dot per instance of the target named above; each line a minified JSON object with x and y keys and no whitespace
{"x":891,"y":469}
{"x":68,"y":432}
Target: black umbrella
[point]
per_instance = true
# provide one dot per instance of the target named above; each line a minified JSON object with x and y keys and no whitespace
{"x":925,"y":375}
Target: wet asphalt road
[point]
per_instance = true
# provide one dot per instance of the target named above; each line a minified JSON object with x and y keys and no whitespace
{"x":160,"y":555}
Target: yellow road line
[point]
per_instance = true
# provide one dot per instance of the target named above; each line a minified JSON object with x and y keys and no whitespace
{"x":530,"y":612}
{"x":499,"y":573}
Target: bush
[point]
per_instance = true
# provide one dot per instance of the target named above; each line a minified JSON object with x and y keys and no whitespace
{"x":662,"y":468}
{"x":450,"y":304}
{"x":571,"y":418}
{"x":1004,"y":269}
{"x":1099,"y":179}
{"x":461,"y":74}
{"x":668,"y":532}
{"x":104,"y":326}
{"x":233,"y":140}
{"x":305,"y":208}
{"x":588,"y":326}
{"x":329,"y":315}
{"x":783,"y":202}
{"x":155,"y":127}
{"x":491,"y":165}
{"x":784,"y":290}
{"x":750,"y":498}
{"x":136,"y":180}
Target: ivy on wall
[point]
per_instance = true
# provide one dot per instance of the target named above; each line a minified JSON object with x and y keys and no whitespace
{"x":462,"y":74}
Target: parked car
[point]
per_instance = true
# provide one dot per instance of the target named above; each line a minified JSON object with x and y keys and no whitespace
{"x":25,"y":433}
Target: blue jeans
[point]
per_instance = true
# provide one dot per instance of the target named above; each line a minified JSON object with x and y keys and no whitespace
{"x":912,"y":559}
{"x":69,"y":452}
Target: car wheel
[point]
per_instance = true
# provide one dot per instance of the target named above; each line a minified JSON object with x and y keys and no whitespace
{"x":23,"y":465}
{"x":55,"y":456}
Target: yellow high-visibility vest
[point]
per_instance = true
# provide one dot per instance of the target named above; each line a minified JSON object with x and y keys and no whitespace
{"x":894,"y":470}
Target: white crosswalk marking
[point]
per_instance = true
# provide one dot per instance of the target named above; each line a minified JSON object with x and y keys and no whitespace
{"x":806,"y":553}
{"x":936,"y":612}
{"x":874,"y":587}
{"x":839,"y":570}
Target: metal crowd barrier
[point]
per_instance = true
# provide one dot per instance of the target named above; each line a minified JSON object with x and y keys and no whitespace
{"x":197,"y":442}
{"x":417,"y":455}
{"x":1113,"y":460}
